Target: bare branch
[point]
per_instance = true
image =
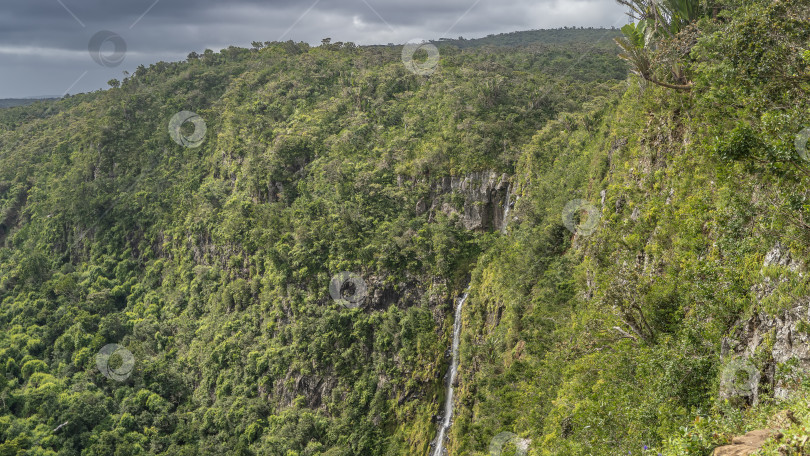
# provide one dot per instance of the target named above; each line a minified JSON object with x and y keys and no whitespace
{"x":682,"y":87}
{"x":625,"y":334}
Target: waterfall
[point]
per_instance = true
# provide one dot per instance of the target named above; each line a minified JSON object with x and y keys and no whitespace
{"x":506,"y":209}
{"x":451,"y":378}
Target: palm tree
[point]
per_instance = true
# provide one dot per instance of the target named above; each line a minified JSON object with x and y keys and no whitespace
{"x":668,"y":17}
{"x":657,"y":20}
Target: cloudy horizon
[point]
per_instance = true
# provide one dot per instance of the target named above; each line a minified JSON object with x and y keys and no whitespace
{"x":44,"y":43}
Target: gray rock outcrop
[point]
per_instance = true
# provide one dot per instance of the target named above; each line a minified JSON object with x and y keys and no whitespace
{"x":780,"y":344}
{"x":478,"y":198}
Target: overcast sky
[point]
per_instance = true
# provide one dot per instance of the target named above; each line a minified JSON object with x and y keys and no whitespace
{"x":44,"y":44}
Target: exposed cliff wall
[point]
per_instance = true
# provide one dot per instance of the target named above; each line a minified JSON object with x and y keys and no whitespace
{"x":477,"y":198}
{"x":767,"y":352}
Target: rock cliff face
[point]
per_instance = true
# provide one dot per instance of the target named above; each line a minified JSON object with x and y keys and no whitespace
{"x":478,"y":198}
{"x":769,"y":350}
{"x":776,"y":340}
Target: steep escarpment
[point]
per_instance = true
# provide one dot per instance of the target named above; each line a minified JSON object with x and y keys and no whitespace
{"x":678,"y":322}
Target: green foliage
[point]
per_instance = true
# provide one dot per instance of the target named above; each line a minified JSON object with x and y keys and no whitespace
{"x":669,"y":17}
{"x":742,"y":143}
{"x":622,"y":350}
{"x":211,"y":265}
{"x":636,"y":34}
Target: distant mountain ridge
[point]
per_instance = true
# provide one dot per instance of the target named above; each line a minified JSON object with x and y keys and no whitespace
{"x":544,"y":36}
{"x":12,"y":102}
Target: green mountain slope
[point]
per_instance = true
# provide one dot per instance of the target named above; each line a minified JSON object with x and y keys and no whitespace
{"x":619,"y":341}
{"x":211,"y":264}
{"x":634,"y":248}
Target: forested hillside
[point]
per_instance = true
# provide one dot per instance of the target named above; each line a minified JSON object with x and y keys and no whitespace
{"x":209,"y":259}
{"x":172,"y":248}
{"x":680,"y":321}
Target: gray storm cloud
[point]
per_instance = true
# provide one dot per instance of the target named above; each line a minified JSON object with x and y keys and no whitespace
{"x":44,"y":43}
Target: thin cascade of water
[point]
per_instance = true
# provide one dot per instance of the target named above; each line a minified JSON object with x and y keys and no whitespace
{"x":451,"y":378}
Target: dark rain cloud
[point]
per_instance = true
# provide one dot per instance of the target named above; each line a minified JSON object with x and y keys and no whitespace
{"x":44,"y":43}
